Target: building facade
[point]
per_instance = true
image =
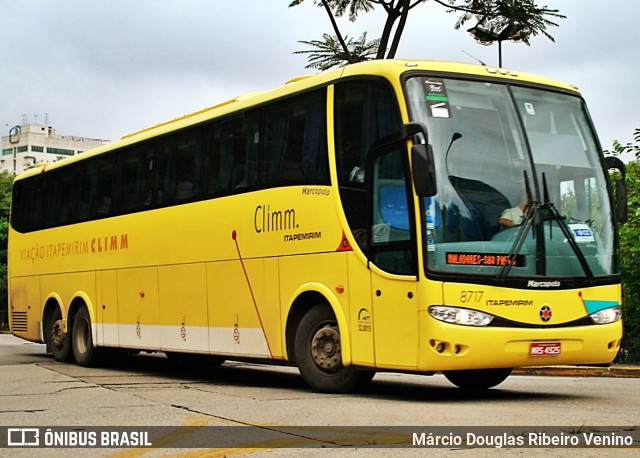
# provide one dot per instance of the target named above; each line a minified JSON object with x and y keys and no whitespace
{"x":32,"y":144}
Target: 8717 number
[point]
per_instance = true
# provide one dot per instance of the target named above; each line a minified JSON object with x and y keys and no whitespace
{"x":470,"y":296}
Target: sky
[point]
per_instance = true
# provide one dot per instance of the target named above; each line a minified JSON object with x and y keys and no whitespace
{"x":103,"y":68}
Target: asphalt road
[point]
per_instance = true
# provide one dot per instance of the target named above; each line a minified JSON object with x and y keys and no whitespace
{"x":150,"y":390}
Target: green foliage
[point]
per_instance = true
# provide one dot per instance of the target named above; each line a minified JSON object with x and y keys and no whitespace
{"x":630,"y":265}
{"x":619,"y":148}
{"x":520,"y":19}
{"x":515,"y":20}
{"x":6,"y":182}
{"x":630,"y":254}
{"x":328,"y":53}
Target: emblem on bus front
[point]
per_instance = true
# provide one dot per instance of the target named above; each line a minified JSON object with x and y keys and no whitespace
{"x":545,"y":313}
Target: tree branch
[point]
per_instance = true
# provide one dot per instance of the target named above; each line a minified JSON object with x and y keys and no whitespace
{"x":392,"y":16}
{"x":404,"y":13}
{"x":334,"y":24}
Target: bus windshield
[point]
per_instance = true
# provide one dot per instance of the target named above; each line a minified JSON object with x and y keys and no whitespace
{"x":521,"y":188}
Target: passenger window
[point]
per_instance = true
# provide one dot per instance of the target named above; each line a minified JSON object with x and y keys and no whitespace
{"x":230,"y":157}
{"x":95,"y":188}
{"x":137,"y":179}
{"x":179,"y":166}
{"x":251,"y":133}
{"x":295,"y":150}
{"x":27,"y":207}
{"x":60,"y":198}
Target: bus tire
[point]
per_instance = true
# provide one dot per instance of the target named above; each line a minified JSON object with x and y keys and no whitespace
{"x":57,"y":340}
{"x":319,"y":357}
{"x":477,"y":379}
{"x":82,"y":341}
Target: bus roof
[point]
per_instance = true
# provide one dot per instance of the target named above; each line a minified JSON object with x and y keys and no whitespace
{"x":391,"y":69}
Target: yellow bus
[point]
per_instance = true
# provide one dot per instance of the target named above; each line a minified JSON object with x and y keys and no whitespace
{"x":347,"y":223}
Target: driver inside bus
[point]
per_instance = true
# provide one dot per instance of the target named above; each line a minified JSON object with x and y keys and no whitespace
{"x":516,"y":215}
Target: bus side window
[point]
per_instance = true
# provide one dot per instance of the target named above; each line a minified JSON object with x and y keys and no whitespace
{"x":60,"y":198}
{"x":277,"y":126}
{"x":27,"y":207}
{"x":103,"y":174}
{"x":251,"y":133}
{"x":294,"y":144}
{"x":136,"y":179}
{"x":211,"y":160}
{"x":83,"y":190}
{"x":179,"y":165}
{"x":365,"y":110}
{"x":94,"y":189}
{"x":315,"y":165}
{"x":225,"y":150}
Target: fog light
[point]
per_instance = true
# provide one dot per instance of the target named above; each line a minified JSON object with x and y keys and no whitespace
{"x":605,"y":316}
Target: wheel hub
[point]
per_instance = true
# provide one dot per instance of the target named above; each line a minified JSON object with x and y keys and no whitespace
{"x":57,"y":334}
{"x":325,"y":349}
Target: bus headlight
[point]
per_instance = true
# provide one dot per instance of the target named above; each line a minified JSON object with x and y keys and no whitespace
{"x":605,"y":316}
{"x":457,"y":315}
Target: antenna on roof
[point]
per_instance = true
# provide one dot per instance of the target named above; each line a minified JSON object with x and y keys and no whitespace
{"x":473,"y":57}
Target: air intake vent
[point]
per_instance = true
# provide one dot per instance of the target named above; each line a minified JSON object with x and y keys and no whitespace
{"x":19,"y":321}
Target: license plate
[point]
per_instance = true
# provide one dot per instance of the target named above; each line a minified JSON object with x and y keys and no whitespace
{"x":544,"y":349}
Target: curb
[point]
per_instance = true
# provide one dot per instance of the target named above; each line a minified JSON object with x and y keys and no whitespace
{"x":618,"y":370}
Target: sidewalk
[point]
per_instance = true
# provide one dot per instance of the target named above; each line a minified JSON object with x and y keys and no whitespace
{"x":615,"y":370}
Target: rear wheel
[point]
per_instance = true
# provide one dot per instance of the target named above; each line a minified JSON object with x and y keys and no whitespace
{"x":477,"y":379}
{"x":318,"y":354}
{"x":57,"y":340}
{"x":82,"y":341}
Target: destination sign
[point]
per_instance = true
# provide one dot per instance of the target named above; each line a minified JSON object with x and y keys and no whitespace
{"x":484,"y":259}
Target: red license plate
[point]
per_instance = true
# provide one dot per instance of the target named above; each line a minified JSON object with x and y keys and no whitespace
{"x":544,"y":348}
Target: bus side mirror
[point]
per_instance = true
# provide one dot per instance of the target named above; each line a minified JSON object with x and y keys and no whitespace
{"x":612,"y":162}
{"x":621,"y":201}
{"x":424,"y":170}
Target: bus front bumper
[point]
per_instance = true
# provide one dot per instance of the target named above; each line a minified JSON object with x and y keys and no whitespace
{"x":445,"y":346}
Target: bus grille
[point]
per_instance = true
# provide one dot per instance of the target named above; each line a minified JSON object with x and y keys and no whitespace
{"x":19,"y":321}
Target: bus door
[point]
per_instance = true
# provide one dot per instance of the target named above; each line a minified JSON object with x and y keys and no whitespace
{"x":393,"y":260}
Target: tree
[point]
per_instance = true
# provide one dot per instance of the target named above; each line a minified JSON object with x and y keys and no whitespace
{"x":507,"y":20}
{"x":6,"y":181}
{"x":619,"y":148}
{"x":498,"y":13}
{"x":629,"y":234}
{"x":330,"y":53}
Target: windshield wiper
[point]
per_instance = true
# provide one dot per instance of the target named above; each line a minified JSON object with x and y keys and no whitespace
{"x":555,"y":214}
{"x":523,"y":230}
{"x":536,"y":212}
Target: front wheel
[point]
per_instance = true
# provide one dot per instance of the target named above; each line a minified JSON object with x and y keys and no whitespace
{"x":318,"y":354}
{"x":477,"y":379}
